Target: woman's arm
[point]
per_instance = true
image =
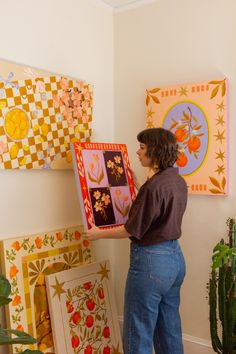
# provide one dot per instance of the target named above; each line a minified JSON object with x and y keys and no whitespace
{"x":95,"y":233}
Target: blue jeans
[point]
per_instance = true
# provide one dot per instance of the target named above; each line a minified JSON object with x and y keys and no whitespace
{"x":152,"y":298}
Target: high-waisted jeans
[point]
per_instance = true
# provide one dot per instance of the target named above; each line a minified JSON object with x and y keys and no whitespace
{"x":152,"y":298}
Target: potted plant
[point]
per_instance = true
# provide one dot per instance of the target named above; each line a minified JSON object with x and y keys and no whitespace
{"x":11,"y":336}
{"x":222,"y":293}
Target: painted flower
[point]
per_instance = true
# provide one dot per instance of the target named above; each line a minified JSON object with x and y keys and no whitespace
{"x":38,"y":242}
{"x":118,"y":192}
{"x":117,"y":159}
{"x":20,"y":328}
{"x":100,"y":293}
{"x":91,"y":166}
{"x":90,"y":304}
{"x":88,"y":349}
{"x":59,"y":236}
{"x":64,"y":83}
{"x":16,"y":245}
{"x":95,"y":157}
{"x":87,"y":286}
{"x":106,"y":199}
{"x":120,"y":170}
{"x":86,"y":243}
{"x":97,"y":195}
{"x":106,"y":350}
{"x":3,"y":147}
{"x":13,"y":271}
{"x":98,"y":206}
{"x":16,"y":301}
{"x":110,"y":164}
{"x":76,"y":317}
{"x":77,"y":235}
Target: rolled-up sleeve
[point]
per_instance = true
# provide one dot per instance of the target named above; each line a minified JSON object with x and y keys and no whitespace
{"x":143,"y":213}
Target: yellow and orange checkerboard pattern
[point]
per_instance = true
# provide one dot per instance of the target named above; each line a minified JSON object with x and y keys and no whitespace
{"x":50,"y":133}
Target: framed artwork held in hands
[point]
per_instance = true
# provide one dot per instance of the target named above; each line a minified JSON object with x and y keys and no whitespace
{"x":104,"y":183}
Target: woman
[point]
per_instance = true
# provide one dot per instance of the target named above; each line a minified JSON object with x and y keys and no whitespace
{"x":157,"y":266}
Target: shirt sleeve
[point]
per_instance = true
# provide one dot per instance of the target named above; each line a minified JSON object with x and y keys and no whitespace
{"x":143,"y":213}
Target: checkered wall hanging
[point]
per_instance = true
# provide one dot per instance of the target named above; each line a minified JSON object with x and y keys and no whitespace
{"x":40,"y":114}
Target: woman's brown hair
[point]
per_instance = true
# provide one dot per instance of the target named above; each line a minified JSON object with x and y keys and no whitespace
{"x":162,"y":146}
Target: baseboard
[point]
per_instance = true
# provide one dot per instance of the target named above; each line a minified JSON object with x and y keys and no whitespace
{"x":192,"y":345}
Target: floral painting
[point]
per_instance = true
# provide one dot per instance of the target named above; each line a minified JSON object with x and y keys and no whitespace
{"x":198,"y":116}
{"x":25,"y":262}
{"x":40,"y":114}
{"x":104,"y":182}
{"x":83,"y":313}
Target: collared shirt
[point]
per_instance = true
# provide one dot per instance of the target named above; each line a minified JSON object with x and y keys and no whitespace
{"x":156,"y":214}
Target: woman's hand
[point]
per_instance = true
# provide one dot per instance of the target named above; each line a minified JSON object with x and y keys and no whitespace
{"x":93,"y":234}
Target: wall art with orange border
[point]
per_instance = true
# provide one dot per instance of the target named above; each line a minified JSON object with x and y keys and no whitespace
{"x":198,"y":116}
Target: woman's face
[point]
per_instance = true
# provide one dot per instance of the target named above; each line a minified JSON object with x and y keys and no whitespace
{"x":142,"y":155}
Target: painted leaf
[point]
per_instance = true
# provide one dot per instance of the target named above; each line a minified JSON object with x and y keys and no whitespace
{"x":223,"y":89}
{"x":147,"y":100}
{"x":215,"y":182}
{"x":91,"y":178}
{"x":118,"y":208}
{"x":126,"y":211}
{"x":215,"y":91}
{"x":155,"y":90}
{"x":186,"y":115}
{"x":215,"y":82}
{"x":155,"y":99}
{"x":223,"y":183}
{"x":215,"y":191}
{"x":101,"y":176}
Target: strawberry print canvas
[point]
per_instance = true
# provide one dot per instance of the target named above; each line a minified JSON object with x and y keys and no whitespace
{"x":104,"y":182}
{"x":25,"y":262}
{"x":83,"y":313}
{"x":198,"y":116}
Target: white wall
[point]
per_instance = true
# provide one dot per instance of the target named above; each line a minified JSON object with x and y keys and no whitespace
{"x":74,"y":38}
{"x":164,"y":43}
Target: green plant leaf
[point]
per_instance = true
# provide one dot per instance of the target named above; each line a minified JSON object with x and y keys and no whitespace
{"x":221,"y":255}
{"x":20,"y":337}
{"x":5,"y":287}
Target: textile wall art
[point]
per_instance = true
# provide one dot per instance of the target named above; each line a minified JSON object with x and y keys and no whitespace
{"x":40,"y":114}
{"x":83,"y":312}
{"x":198,"y":116}
{"x":25,"y":262}
{"x":104,"y":182}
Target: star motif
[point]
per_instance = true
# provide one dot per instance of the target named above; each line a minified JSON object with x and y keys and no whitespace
{"x":220,"y":169}
{"x":183,"y":91}
{"x":150,"y":113}
{"x":221,"y":106}
{"x":58,"y":289}
{"x":104,"y":271}
{"x":150,"y":124}
{"x":220,"y":120}
{"x":219,"y":136}
{"x":220,"y":155}
{"x":116,"y":350}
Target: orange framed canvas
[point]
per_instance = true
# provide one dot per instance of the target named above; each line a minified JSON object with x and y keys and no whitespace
{"x":198,"y":116}
{"x":25,"y":262}
{"x":83,"y":312}
{"x":40,"y":114}
{"x":104,"y":182}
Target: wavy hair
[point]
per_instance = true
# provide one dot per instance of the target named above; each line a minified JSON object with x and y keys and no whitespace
{"x":162,"y":146}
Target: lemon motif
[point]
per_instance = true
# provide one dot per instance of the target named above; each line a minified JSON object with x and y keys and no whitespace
{"x":14,"y":151}
{"x":16,"y":124}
